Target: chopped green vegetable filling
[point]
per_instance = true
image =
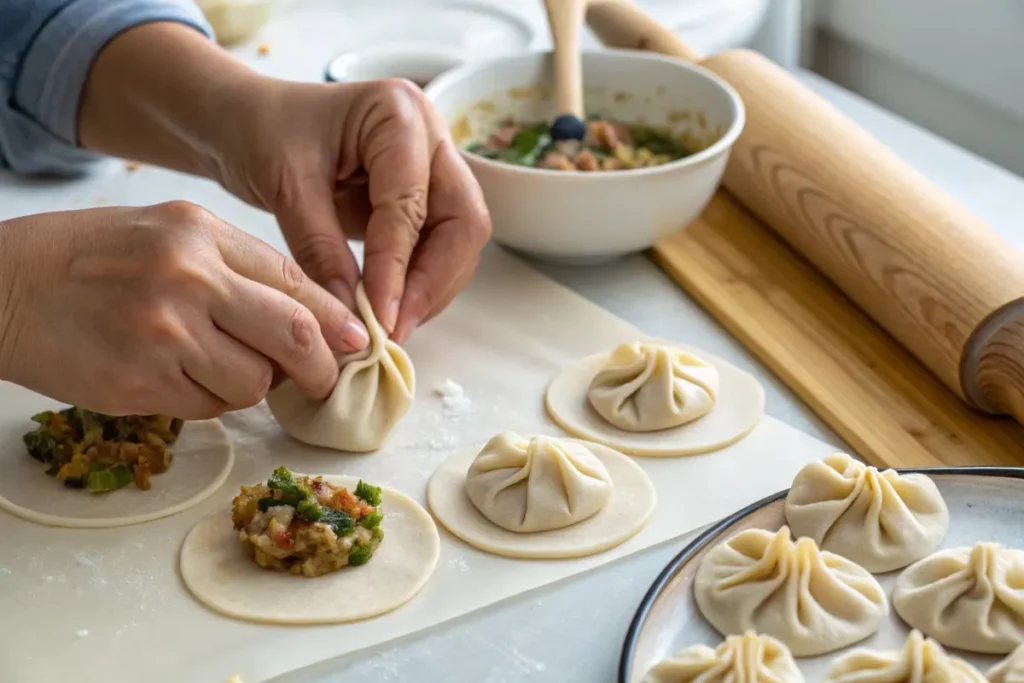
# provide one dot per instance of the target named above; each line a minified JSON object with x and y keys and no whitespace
{"x":371,"y":521}
{"x":361,"y":554}
{"x":339,"y":521}
{"x":108,"y":479}
{"x":368,"y":492}
{"x":288,"y":491}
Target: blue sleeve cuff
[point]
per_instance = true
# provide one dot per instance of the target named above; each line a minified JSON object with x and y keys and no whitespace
{"x":56,"y":66}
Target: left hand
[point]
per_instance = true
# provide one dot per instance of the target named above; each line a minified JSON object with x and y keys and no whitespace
{"x":371,"y":161}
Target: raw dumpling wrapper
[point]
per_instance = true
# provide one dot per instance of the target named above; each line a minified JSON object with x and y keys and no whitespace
{"x":537,"y":484}
{"x":374,"y":391}
{"x":968,"y":598}
{"x":922,"y":660}
{"x":813,"y":601}
{"x":646,"y":387}
{"x":1010,"y":670}
{"x":880,"y":520}
{"x":750,"y":658}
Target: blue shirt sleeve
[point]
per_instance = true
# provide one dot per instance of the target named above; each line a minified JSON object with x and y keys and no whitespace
{"x":47,"y":48}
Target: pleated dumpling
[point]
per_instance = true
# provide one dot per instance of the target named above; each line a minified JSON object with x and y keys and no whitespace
{"x":374,"y":391}
{"x":880,"y":520}
{"x":646,"y":387}
{"x":921,"y":660}
{"x":537,"y":484}
{"x":1009,"y":670}
{"x":812,"y":600}
{"x":968,"y":598}
{"x":750,"y":658}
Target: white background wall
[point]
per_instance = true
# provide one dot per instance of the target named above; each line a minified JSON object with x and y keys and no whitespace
{"x":954,"y":66}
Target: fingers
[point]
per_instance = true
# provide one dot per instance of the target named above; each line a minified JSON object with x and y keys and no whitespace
{"x":226,"y":369}
{"x":315,"y":236}
{"x":450,"y":251}
{"x":396,"y":153}
{"x":256,"y":260}
{"x":283,"y":331}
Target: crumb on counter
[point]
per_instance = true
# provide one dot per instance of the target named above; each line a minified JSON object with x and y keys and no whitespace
{"x":132,"y":166}
{"x":263,"y":49}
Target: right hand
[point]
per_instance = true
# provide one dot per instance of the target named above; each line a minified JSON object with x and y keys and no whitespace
{"x":160,"y":310}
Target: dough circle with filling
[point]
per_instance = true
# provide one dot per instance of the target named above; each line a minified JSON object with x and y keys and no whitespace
{"x":218,"y":572}
{"x":737,"y":409}
{"x":374,"y":391}
{"x":630,"y":506}
{"x":203,"y":458}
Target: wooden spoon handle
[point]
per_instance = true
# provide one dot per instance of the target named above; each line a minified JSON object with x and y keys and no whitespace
{"x":565,"y":18}
{"x":620,"y":23}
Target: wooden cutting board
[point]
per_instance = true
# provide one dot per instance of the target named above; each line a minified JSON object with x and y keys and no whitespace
{"x":857,"y":378}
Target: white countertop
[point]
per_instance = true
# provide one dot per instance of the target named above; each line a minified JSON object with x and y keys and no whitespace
{"x":572,"y":632}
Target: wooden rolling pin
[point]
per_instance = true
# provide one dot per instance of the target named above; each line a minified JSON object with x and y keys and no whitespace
{"x":923,"y":267}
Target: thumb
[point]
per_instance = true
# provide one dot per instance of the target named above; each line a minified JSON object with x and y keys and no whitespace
{"x":311,"y":228}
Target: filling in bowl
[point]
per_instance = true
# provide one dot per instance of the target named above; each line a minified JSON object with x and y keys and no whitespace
{"x":608,"y":146}
{"x":99,"y":452}
{"x":307,"y":526}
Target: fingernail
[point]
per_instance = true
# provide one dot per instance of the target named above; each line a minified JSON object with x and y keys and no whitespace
{"x":355,"y":335}
{"x":391,"y":315}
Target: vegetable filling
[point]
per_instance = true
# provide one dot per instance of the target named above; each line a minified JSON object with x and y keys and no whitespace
{"x":307,"y":526}
{"x":102,"y":453}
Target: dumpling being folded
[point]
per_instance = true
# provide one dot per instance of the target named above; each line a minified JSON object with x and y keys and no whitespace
{"x":645,"y":387}
{"x":750,"y":658}
{"x":880,"y":520}
{"x":374,"y":391}
{"x":1010,"y":670}
{"x":537,"y":484}
{"x":812,"y":600}
{"x":921,"y":660}
{"x":968,"y":598}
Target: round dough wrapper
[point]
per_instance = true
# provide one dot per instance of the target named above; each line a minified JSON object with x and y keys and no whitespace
{"x":373,"y":393}
{"x":750,"y":658}
{"x":813,"y":601}
{"x":631,"y":505}
{"x":967,"y":598}
{"x":203,"y":458}
{"x":881,"y":520}
{"x":1009,"y":670}
{"x":218,"y":572}
{"x":738,"y":408}
{"x":921,"y":660}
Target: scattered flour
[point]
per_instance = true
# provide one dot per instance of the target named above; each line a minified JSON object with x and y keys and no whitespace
{"x":82,"y":633}
{"x":454,"y":402}
{"x":83,"y":560}
{"x":459,"y":563}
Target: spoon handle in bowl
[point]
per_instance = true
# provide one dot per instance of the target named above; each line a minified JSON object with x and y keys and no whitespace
{"x":565,"y":18}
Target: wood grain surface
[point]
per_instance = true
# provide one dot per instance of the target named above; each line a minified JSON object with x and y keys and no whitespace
{"x":923,"y":267}
{"x":890,"y":409}
{"x":565,"y":19}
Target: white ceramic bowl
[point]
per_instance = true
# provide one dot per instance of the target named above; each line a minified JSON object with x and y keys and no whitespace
{"x":420,"y":64}
{"x":590,"y":217}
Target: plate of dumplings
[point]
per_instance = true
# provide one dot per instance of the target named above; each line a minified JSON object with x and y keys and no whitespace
{"x":852,"y":575}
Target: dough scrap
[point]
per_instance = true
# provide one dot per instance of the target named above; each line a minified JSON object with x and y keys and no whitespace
{"x":537,"y":484}
{"x":203,"y":458}
{"x":1010,"y":669}
{"x":921,"y":660}
{"x":632,"y":502}
{"x":737,"y":411}
{"x":645,"y":387}
{"x":813,"y":601}
{"x":749,"y":658}
{"x":374,"y":392}
{"x":220,"y":575}
{"x":966,"y":598}
{"x":881,"y":520}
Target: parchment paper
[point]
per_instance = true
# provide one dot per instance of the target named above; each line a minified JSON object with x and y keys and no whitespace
{"x":107,"y":605}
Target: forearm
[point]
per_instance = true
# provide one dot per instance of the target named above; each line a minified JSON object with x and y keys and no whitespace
{"x":163,"y":94}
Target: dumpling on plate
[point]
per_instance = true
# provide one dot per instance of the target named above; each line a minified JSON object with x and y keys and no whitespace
{"x":1009,"y":670}
{"x":814,"y":601}
{"x":968,"y":598}
{"x":749,"y":658}
{"x":646,"y":387}
{"x":537,"y":484}
{"x":881,"y":520}
{"x":921,"y":660}
{"x":374,"y":392}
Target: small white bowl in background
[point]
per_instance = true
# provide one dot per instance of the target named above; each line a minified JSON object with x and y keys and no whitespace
{"x":579,"y":217}
{"x":419,"y":64}
{"x":236,"y":21}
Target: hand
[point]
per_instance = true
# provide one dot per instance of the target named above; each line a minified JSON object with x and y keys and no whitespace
{"x":163,"y":309}
{"x":369,"y":161}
